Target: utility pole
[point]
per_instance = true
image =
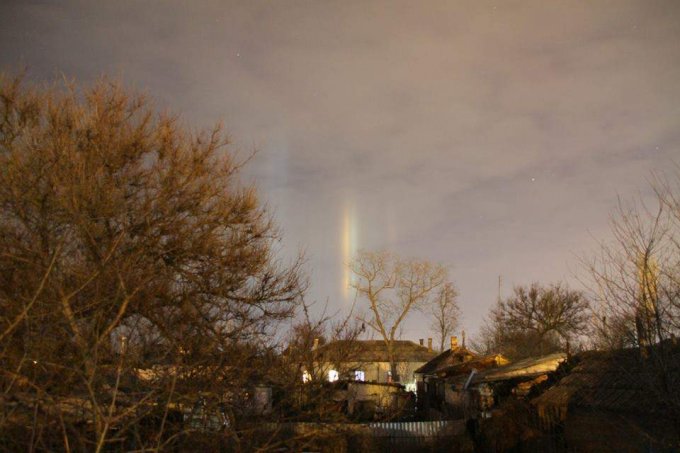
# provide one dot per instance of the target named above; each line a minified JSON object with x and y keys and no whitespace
{"x":500,"y":279}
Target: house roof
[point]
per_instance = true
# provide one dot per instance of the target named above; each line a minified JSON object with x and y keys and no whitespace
{"x":375,"y":351}
{"x":446,"y":359}
{"x":477,"y":363}
{"x":525,"y":368}
{"x":620,"y":381}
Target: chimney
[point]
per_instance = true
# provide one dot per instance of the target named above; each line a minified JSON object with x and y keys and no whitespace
{"x":429,"y":344}
{"x":454,"y":343}
{"x":316,"y":344}
{"x":463,"y":335}
{"x":422,"y":342}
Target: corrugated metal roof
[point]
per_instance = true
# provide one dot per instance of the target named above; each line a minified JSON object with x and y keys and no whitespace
{"x":529,"y":367}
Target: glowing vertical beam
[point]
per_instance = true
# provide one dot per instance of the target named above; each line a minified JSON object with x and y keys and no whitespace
{"x":349,"y":246}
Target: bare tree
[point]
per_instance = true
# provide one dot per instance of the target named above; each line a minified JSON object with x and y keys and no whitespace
{"x":536,"y":320}
{"x":445,"y":313}
{"x":310,"y":334}
{"x":393,"y":288}
{"x":635,"y":280}
{"x":635,"y":276}
{"x":137,"y":276}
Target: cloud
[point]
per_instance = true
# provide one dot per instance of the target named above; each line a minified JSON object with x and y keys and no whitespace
{"x":432,"y":118}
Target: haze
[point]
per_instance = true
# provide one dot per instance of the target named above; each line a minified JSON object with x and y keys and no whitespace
{"x":491,"y":136}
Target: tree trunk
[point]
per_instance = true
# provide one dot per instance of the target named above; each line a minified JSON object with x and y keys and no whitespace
{"x":393,"y":364}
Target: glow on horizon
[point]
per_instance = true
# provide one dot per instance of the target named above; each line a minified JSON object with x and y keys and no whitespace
{"x":349,"y":246}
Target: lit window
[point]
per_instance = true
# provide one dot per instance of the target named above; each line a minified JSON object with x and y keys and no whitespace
{"x":332,"y":376}
{"x":359,"y":375}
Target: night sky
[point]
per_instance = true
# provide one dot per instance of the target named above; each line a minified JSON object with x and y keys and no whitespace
{"x":494,"y":137}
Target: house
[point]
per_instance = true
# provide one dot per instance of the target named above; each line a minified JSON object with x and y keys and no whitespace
{"x":367,"y":360}
{"x":461,"y":384}
{"x":621,"y":400}
{"x":453,"y":391}
{"x":442,"y":381}
{"x":453,"y":356}
{"x":491,"y":386}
